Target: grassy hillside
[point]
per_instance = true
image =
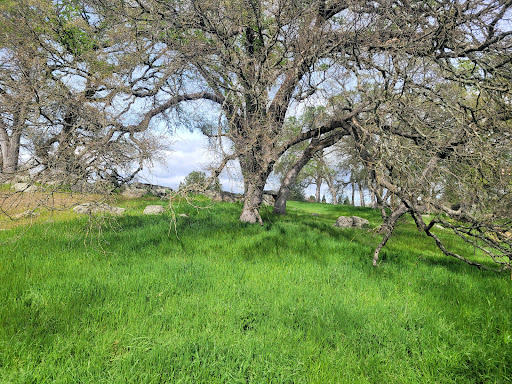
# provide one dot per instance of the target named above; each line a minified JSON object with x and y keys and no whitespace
{"x":294,"y":301}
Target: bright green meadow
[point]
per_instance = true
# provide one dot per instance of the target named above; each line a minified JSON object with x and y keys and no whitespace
{"x":217,"y":301}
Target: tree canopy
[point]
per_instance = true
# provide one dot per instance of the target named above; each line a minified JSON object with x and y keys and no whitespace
{"x":421,"y":88}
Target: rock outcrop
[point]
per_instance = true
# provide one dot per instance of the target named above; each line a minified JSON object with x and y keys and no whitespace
{"x":98,"y":208}
{"x":153,"y":210}
{"x":351,"y":222}
{"x":24,"y":187}
{"x":269,"y":197}
{"x":136,"y":190}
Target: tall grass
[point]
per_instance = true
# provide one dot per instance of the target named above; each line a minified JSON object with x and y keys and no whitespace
{"x":293,"y":301}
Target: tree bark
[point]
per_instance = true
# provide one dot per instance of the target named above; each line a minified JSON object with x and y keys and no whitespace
{"x":252,"y":202}
{"x":256,"y":165}
{"x":290,"y":178}
{"x":333,"y":191}
{"x":318,"y":182}
{"x":352,"y":183}
{"x":10,"y":151}
{"x":361,"y":194}
{"x":387,"y":228}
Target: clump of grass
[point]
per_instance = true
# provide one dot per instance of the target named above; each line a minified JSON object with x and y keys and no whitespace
{"x":293,"y":301}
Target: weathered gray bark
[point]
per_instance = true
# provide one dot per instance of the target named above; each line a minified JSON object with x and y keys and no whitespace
{"x":352,"y":183}
{"x":256,"y":165}
{"x":318,"y":182}
{"x":387,"y":228}
{"x":252,"y":202}
{"x":361,"y":194}
{"x":10,"y":151}
{"x":333,"y":191}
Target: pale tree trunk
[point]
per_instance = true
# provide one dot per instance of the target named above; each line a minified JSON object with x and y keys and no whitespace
{"x":256,"y":167}
{"x":10,"y":150}
{"x":373,"y":198}
{"x":252,"y":202}
{"x":318,"y":182}
{"x":352,"y":183}
{"x":361,"y":194}
{"x":333,"y":191}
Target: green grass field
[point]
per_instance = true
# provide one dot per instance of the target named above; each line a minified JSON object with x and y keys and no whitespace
{"x":293,"y":301}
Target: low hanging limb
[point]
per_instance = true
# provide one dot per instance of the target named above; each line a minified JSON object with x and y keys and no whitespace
{"x":388,"y":227}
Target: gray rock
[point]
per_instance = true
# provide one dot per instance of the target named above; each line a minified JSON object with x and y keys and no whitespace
{"x":23,"y":187}
{"x":95,"y":208}
{"x":133,"y":193}
{"x":268,"y":199}
{"x":344,"y":222}
{"x":359,"y":222}
{"x":227,"y":197}
{"x":21,"y":178}
{"x":183,"y":215}
{"x":26,"y":214}
{"x":351,"y":222}
{"x":136,"y":190}
{"x":154,"y":210}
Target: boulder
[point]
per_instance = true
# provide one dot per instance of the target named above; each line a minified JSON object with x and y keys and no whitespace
{"x":351,"y":222}
{"x":95,"y":208}
{"x":268,"y":199}
{"x":344,"y":222}
{"x":23,"y":187}
{"x":359,"y":222}
{"x":136,"y":190}
{"x":133,"y":193}
{"x":26,"y":214}
{"x":153,"y":210}
{"x":227,"y":197}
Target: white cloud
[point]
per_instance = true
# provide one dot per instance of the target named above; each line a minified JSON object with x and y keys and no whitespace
{"x":188,"y":153}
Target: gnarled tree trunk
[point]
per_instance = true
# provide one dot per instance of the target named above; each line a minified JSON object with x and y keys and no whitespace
{"x":10,"y":151}
{"x":256,"y":166}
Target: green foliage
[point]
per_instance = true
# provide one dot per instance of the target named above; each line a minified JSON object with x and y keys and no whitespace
{"x":297,"y":193}
{"x":293,"y":301}
{"x":71,"y":32}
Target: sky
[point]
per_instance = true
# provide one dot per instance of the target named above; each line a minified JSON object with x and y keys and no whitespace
{"x":189,"y":152}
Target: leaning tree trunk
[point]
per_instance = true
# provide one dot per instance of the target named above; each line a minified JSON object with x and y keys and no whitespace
{"x":291,"y":177}
{"x":387,"y":228}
